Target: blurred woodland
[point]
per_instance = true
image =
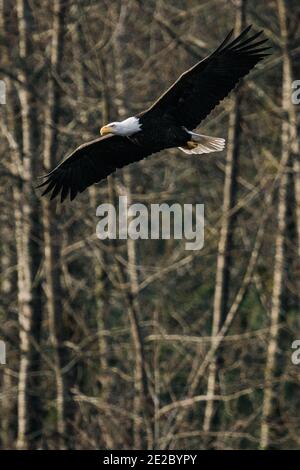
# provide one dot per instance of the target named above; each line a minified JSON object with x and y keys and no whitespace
{"x":142,"y":344}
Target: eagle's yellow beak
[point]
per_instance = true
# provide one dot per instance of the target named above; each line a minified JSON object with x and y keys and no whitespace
{"x":106,"y":130}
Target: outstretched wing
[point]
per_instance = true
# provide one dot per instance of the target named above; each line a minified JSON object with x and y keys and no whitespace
{"x":198,"y":90}
{"x":90,"y":163}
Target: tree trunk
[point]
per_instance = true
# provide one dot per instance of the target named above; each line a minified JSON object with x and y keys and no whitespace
{"x":101,"y":293}
{"x":226,"y":235}
{"x":27,"y":229}
{"x":141,"y":399}
{"x":279,"y":262}
{"x":52,"y":236}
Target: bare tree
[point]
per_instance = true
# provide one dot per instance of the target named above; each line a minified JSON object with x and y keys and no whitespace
{"x":27,"y":230}
{"x":279,"y":261}
{"x":220,"y":304}
{"x":141,"y":397}
{"x":51,"y":224}
{"x":134,"y":325}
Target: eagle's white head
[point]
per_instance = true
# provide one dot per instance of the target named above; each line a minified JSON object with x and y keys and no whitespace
{"x":127,"y":127}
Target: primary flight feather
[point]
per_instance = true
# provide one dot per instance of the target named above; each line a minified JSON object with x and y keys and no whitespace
{"x":167,"y":123}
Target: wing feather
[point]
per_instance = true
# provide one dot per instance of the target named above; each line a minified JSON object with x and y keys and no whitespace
{"x":201,"y":88}
{"x":90,"y":163}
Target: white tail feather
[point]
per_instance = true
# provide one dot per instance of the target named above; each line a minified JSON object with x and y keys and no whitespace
{"x":205,"y":144}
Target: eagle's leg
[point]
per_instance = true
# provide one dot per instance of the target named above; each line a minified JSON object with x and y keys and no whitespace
{"x":190,"y":145}
{"x":199,"y":143}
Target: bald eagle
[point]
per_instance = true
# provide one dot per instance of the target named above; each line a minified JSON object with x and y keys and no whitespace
{"x":167,"y":123}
